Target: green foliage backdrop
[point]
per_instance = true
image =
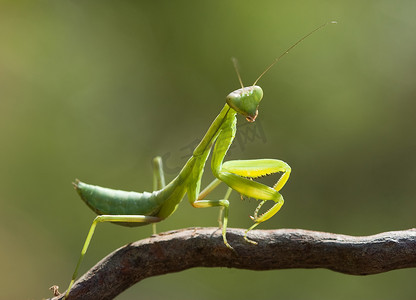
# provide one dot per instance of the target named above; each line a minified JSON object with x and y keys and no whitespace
{"x":94,"y":89}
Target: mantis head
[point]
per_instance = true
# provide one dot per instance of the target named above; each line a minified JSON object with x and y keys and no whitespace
{"x":245,"y":101}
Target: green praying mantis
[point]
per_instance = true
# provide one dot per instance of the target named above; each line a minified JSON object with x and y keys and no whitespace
{"x":138,"y":209}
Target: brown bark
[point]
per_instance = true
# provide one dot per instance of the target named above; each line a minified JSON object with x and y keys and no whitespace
{"x":179,"y":250}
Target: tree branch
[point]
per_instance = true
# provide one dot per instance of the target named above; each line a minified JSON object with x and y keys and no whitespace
{"x":179,"y":250}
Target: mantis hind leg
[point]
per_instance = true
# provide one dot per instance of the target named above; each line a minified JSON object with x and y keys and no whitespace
{"x":107,"y":218}
{"x":158,"y":174}
{"x":158,"y":180}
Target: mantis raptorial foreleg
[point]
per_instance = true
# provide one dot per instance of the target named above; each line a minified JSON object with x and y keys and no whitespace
{"x":254,"y":168}
{"x":233,"y":172}
{"x":231,"y":175}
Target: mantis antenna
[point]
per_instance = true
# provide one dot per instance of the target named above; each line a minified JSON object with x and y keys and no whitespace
{"x":235,"y":63}
{"x":287,"y":51}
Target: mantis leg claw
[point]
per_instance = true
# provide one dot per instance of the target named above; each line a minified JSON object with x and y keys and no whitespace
{"x":245,"y":234}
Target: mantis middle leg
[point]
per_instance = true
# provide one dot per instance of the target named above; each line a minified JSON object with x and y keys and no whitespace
{"x":198,"y":202}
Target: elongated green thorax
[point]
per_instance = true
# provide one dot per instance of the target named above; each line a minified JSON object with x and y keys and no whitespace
{"x":189,"y":178}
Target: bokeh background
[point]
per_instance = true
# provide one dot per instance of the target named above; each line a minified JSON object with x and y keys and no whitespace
{"x":94,"y":89}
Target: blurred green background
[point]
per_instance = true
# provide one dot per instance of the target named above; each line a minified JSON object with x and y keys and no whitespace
{"x":94,"y":89}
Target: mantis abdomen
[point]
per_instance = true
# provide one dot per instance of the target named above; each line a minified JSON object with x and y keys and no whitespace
{"x":105,"y":201}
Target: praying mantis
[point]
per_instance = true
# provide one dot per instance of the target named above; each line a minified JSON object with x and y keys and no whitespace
{"x":138,"y":209}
